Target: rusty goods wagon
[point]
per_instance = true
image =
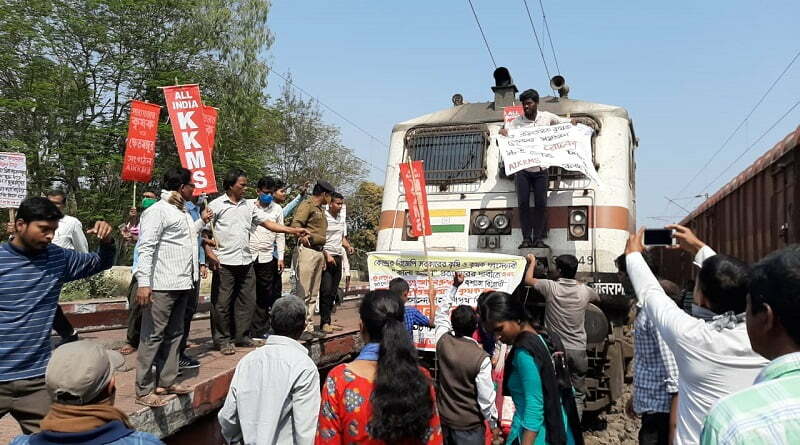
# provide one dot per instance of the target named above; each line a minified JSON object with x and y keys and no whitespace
{"x":754,"y":214}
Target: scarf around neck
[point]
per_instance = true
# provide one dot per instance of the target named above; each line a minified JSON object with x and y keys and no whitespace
{"x":174,"y":198}
{"x":78,"y":418}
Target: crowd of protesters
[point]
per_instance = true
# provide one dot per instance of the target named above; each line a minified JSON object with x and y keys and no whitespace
{"x":726,"y":372}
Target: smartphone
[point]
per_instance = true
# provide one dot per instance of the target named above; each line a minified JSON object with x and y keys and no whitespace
{"x":658,"y":237}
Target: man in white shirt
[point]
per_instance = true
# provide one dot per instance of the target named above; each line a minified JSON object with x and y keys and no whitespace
{"x":167,"y":273}
{"x":69,"y":235}
{"x":268,"y":248}
{"x":533,"y":177}
{"x":466,"y":393}
{"x":714,"y":357}
{"x":336,"y":247}
{"x":274,"y":396}
{"x":233,"y":286}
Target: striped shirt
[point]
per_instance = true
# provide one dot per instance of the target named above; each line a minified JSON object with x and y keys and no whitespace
{"x":168,"y":252}
{"x":193,"y":210}
{"x":713,"y":361}
{"x":655,"y":377}
{"x":29,"y":288}
{"x":767,"y":412}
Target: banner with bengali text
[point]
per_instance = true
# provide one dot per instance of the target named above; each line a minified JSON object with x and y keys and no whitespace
{"x":564,"y":145}
{"x":412,"y":175}
{"x":482,"y":271}
{"x":186,"y":114}
{"x":210,"y":125}
{"x":13,"y":180}
{"x":140,"y":147}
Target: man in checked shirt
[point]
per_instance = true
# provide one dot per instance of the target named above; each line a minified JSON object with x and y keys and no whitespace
{"x":655,"y":379}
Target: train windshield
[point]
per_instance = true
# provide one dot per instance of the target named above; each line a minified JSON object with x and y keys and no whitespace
{"x":452,"y":154}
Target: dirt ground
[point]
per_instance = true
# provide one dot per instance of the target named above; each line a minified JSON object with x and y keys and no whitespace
{"x":620,"y":429}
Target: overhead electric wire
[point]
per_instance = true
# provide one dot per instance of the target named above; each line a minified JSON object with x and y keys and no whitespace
{"x":480,"y":28}
{"x":341,"y":116}
{"x":549,"y":37}
{"x":738,"y":127}
{"x":741,"y":155}
{"x":538,"y":43}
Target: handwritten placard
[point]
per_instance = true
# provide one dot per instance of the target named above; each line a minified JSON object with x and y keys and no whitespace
{"x":564,"y":145}
{"x":13,"y":180}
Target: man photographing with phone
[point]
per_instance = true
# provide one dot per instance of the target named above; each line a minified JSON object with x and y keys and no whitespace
{"x":713,"y":355}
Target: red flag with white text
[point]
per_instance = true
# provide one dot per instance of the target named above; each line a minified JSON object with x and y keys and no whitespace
{"x":512,"y":112}
{"x":140,"y":147}
{"x":413,"y":176}
{"x":210,"y":125}
{"x":186,"y":114}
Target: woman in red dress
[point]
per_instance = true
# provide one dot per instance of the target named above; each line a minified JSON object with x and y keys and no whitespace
{"x":383,"y":396}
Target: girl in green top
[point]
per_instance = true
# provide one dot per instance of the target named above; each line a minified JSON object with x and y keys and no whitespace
{"x":545,"y":412}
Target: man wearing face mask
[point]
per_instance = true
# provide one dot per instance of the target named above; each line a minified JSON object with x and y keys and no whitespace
{"x":262,"y":243}
{"x":233,"y":286}
{"x":311,"y":261}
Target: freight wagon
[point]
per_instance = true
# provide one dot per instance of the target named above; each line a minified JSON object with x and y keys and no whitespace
{"x":754,"y":214}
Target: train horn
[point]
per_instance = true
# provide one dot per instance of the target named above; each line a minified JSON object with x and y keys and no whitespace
{"x":559,"y":84}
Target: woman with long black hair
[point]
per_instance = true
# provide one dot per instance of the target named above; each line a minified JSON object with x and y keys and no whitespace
{"x":383,"y":396}
{"x":545,"y":411}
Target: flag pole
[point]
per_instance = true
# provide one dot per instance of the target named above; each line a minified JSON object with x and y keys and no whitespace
{"x":134,"y":195}
{"x":420,"y":210}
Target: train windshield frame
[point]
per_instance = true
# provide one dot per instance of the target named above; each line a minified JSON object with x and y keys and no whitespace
{"x":453,"y":154}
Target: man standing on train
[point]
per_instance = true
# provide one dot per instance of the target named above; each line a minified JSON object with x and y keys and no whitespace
{"x":532,"y":177}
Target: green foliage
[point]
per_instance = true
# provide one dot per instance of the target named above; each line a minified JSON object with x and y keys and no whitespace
{"x":94,"y":287}
{"x":69,"y":68}
{"x":363,"y":217}
{"x":308,"y":148}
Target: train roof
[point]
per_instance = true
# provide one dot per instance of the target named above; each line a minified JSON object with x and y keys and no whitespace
{"x":484,"y":112}
{"x":789,"y":142}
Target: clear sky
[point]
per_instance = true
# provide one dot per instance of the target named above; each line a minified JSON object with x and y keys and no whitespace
{"x":688,"y":72}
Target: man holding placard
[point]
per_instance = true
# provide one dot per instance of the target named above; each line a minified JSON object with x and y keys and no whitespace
{"x":532,"y":177}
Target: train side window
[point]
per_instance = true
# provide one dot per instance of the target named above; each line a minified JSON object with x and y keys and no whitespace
{"x":452,"y":154}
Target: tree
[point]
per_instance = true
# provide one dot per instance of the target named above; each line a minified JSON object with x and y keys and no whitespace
{"x":307,"y":148}
{"x":69,"y":68}
{"x":363,"y":218}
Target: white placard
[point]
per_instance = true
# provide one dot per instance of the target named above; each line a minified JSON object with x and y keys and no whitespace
{"x":564,"y":145}
{"x":13,"y":180}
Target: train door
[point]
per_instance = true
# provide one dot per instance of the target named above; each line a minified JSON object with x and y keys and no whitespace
{"x":784,"y":203}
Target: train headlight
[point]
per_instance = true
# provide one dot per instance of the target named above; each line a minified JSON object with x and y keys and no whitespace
{"x":578,"y":224}
{"x":501,"y":221}
{"x":577,"y":217}
{"x":482,"y":222}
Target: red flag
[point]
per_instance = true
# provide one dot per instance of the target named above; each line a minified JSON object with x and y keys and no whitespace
{"x":186,"y":115}
{"x":512,"y":112}
{"x":140,"y":147}
{"x":210,"y":125}
{"x":413,"y":176}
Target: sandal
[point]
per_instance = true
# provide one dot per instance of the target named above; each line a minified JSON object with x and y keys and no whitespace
{"x":151,"y":400}
{"x":127,"y":349}
{"x":174,"y":389}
